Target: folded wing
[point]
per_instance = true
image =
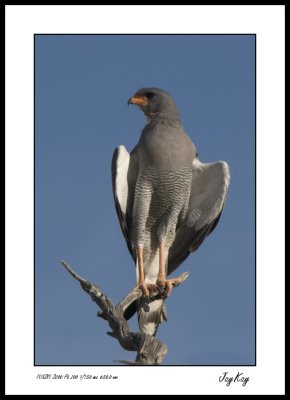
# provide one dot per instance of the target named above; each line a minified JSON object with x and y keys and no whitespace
{"x":208,"y":194}
{"x":124,"y":174}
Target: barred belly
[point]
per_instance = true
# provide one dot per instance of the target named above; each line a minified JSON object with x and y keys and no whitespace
{"x":160,"y":201}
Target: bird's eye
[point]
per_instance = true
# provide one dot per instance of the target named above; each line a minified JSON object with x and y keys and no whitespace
{"x":150,"y":95}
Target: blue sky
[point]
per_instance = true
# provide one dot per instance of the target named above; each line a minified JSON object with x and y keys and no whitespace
{"x":82,"y":87}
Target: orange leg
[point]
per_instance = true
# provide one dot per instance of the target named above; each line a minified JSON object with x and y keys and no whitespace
{"x":162,"y":273}
{"x":162,"y":282}
{"x":141,"y":284}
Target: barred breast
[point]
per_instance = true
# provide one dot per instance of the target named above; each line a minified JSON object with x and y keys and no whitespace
{"x":160,"y":203}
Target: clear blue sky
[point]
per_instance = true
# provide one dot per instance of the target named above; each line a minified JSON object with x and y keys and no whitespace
{"x":82,"y":87}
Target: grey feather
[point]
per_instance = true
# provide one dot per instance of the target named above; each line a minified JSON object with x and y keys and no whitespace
{"x":207,"y":198}
{"x":163,"y":193}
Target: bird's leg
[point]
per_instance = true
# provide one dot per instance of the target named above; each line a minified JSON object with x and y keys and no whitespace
{"x":162,"y":273}
{"x":162,"y":282}
{"x":141,"y":284}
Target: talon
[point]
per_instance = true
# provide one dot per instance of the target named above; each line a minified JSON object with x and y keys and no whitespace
{"x":161,"y":283}
{"x":169,"y":288}
{"x":144,"y":288}
{"x":164,"y":286}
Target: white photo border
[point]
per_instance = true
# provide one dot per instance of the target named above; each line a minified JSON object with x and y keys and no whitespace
{"x":268,"y":24}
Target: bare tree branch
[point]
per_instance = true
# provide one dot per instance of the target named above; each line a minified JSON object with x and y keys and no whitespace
{"x":150,"y":350}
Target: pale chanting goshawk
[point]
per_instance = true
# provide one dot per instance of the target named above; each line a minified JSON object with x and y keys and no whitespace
{"x":167,"y":201}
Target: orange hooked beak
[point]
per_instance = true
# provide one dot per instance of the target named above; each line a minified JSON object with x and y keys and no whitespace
{"x":142,"y":100}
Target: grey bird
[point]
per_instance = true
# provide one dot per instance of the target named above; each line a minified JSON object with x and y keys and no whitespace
{"x":167,"y":201}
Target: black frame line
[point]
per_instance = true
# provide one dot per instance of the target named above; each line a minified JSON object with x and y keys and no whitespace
{"x":255,"y":190}
{"x":283,"y":4}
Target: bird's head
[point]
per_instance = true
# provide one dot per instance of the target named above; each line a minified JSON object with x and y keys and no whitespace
{"x":153,"y":101}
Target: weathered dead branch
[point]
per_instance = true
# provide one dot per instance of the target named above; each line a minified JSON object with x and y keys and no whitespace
{"x":150,"y":350}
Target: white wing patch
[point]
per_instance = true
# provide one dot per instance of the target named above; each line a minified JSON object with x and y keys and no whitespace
{"x":122,"y":165}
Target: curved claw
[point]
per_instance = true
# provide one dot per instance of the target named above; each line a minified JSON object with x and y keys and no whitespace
{"x":165,"y":286}
{"x":144,"y":288}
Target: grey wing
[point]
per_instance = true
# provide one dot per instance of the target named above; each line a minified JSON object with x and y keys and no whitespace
{"x":208,"y":194}
{"x":124,"y":174}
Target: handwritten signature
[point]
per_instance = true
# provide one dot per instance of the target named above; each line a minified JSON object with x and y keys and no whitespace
{"x":240,"y":378}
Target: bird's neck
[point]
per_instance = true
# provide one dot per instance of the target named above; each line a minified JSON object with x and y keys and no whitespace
{"x":171,"y":119}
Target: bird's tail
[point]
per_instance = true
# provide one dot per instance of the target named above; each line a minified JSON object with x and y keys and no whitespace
{"x":151,"y":315}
